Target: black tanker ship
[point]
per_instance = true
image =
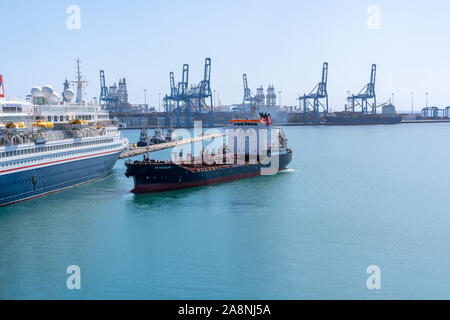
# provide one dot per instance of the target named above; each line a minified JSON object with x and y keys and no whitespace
{"x":157,"y":176}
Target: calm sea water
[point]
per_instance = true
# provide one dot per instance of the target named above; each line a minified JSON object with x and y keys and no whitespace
{"x":353,"y":197}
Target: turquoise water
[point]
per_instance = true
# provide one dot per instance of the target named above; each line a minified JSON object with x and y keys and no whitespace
{"x":353,"y":197}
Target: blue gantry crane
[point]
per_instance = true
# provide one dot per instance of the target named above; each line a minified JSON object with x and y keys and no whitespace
{"x":183,"y":98}
{"x":188,"y":99}
{"x":202,"y":92}
{"x":431,"y":112}
{"x":436,"y":113}
{"x":179,"y":97}
{"x":317,"y":99}
{"x":247,"y":103}
{"x":105,"y":95}
{"x":366,"y":98}
{"x":169,"y":99}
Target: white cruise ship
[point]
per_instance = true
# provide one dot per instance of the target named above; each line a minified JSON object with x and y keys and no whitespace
{"x":48,"y":144}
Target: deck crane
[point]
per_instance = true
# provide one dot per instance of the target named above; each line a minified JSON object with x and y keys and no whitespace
{"x":317,"y":99}
{"x":366,"y":98}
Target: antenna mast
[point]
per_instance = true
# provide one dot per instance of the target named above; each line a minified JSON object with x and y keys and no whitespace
{"x":81,"y":84}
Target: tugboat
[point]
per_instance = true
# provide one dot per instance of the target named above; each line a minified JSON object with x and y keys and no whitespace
{"x":122,"y":125}
{"x":170,"y":136}
{"x":143,"y":138}
{"x":152,"y":176}
{"x":158,"y":137}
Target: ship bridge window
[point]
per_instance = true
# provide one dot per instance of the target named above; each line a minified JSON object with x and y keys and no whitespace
{"x":49,"y":118}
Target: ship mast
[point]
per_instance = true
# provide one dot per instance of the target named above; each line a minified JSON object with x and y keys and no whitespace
{"x":81,"y":84}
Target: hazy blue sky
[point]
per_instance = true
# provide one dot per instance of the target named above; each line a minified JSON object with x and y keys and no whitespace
{"x":279,"y":42}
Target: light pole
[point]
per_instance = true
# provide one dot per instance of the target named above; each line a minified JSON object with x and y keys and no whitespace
{"x":214,"y":101}
{"x":279,"y":96}
{"x":412,"y":102}
{"x":159,"y":101}
{"x":145,"y":100}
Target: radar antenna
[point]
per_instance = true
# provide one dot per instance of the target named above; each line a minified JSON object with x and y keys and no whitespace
{"x":81,"y":84}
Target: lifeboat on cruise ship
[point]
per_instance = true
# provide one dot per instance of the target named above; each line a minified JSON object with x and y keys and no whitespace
{"x":42,"y":124}
{"x":78,"y":123}
{"x":15,"y":125}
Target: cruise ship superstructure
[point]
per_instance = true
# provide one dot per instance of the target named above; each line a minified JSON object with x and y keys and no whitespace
{"x":48,"y":144}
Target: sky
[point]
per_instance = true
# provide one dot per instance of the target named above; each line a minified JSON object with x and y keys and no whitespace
{"x":283,"y":43}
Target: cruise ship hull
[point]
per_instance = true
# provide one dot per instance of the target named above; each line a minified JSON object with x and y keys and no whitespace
{"x":34,"y":182}
{"x":152,"y":178}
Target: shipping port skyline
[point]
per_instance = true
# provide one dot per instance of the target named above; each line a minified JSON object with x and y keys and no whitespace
{"x":224,"y":150}
{"x":150,"y":54}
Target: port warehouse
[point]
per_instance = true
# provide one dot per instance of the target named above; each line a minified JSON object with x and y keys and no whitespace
{"x":186,"y":103}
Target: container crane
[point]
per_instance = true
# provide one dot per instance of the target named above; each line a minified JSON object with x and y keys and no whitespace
{"x":317,"y":99}
{"x":366,"y":98}
{"x":202,"y":92}
{"x":183,"y":98}
{"x":248,"y":97}
{"x":105,"y":95}
{"x":168,"y":99}
{"x":189,"y":99}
